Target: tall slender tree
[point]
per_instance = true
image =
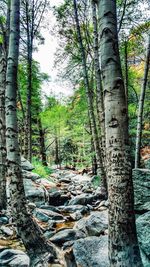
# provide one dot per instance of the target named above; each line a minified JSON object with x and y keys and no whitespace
{"x":99,"y":90}
{"x":31,"y":18}
{"x":123,"y":244}
{"x":141,"y":107}
{"x":3,"y":198}
{"x":34,"y":242}
{"x":100,"y":168}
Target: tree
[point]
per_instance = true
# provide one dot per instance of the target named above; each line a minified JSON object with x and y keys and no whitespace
{"x":100,"y":167}
{"x":141,"y":107}
{"x":99,"y":90}
{"x":3,"y":198}
{"x":38,"y":248}
{"x":32,"y":16}
{"x":123,"y":244}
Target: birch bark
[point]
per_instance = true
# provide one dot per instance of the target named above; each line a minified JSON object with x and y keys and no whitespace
{"x":34,"y":242}
{"x":3,"y":198}
{"x":100,"y":169}
{"x":123,"y":244}
{"x":141,"y":106}
{"x":99,"y":90}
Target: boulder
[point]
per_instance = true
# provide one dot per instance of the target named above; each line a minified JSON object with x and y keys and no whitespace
{"x":141,"y":181}
{"x":34,"y":192}
{"x":13,"y":258}
{"x":46,"y":215}
{"x":93,"y":225}
{"x":26,"y":165}
{"x":88,"y":252}
{"x":65,"y":235}
{"x":73,"y":208}
{"x":6,"y":230}
{"x":82,"y":199}
{"x":30,"y":175}
{"x":143,"y":231}
{"x":4,"y":219}
{"x":57,"y":198}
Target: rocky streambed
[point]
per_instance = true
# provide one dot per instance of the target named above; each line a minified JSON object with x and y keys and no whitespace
{"x":73,"y":215}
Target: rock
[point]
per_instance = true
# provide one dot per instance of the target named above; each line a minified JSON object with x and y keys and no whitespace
{"x":82,"y":199}
{"x":34,"y":192}
{"x":48,"y":184}
{"x":76,"y":216}
{"x":143,"y":231}
{"x":6,"y":230}
{"x":65,"y":235}
{"x":13,"y":258}
{"x":141,"y":181}
{"x":26,"y":165}
{"x":46,"y":215}
{"x":65,"y":180}
{"x":89,"y":252}
{"x":30,"y":175}
{"x":4,"y":220}
{"x":73,"y":208}
{"x":49,"y":207}
{"x":57,"y":198}
{"x":93,"y":225}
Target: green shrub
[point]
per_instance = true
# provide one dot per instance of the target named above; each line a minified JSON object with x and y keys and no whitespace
{"x":43,"y":171}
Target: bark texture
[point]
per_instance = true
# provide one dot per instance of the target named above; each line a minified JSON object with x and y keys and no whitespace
{"x":123,"y":244}
{"x":141,"y":107}
{"x":32,"y":237}
{"x":99,"y":89}
{"x":42,"y":143}
{"x":3,"y":198}
{"x":100,"y":169}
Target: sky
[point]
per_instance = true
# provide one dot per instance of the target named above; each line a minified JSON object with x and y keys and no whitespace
{"x":46,"y":57}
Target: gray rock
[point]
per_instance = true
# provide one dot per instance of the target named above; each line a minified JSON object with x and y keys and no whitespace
{"x":143,"y":230}
{"x":57,"y":198}
{"x":90,"y":252}
{"x":13,"y":258}
{"x":76,"y":216}
{"x":141,"y":181}
{"x":4,"y":220}
{"x":65,"y":235}
{"x":82,"y":199}
{"x":46,"y":215}
{"x":93,"y":225}
{"x":35,"y":193}
{"x":30,"y":175}
{"x":73,"y":208}
{"x":26,"y":165}
{"x":6,"y":230}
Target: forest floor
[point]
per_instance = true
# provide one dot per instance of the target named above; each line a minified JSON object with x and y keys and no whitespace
{"x":72,"y":212}
{"x":73,"y":209}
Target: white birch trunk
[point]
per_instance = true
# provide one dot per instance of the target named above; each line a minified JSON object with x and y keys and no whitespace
{"x":3,"y":198}
{"x":141,"y":107}
{"x":123,"y":244}
{"x":34,"y":242}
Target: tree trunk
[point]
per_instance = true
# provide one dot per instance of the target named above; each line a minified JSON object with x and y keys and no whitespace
{"x":42,"y":144}
{"x":33,"y":240}
{"x":126,"y":68}
{"x":29,"y":32}
{"x":123,"y":244}
{"x":141,"y":106}
{"x":3,"y":198}
{"x":100,"y":169}
{"x":57,"y":159}
{"x":99,"y":91}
